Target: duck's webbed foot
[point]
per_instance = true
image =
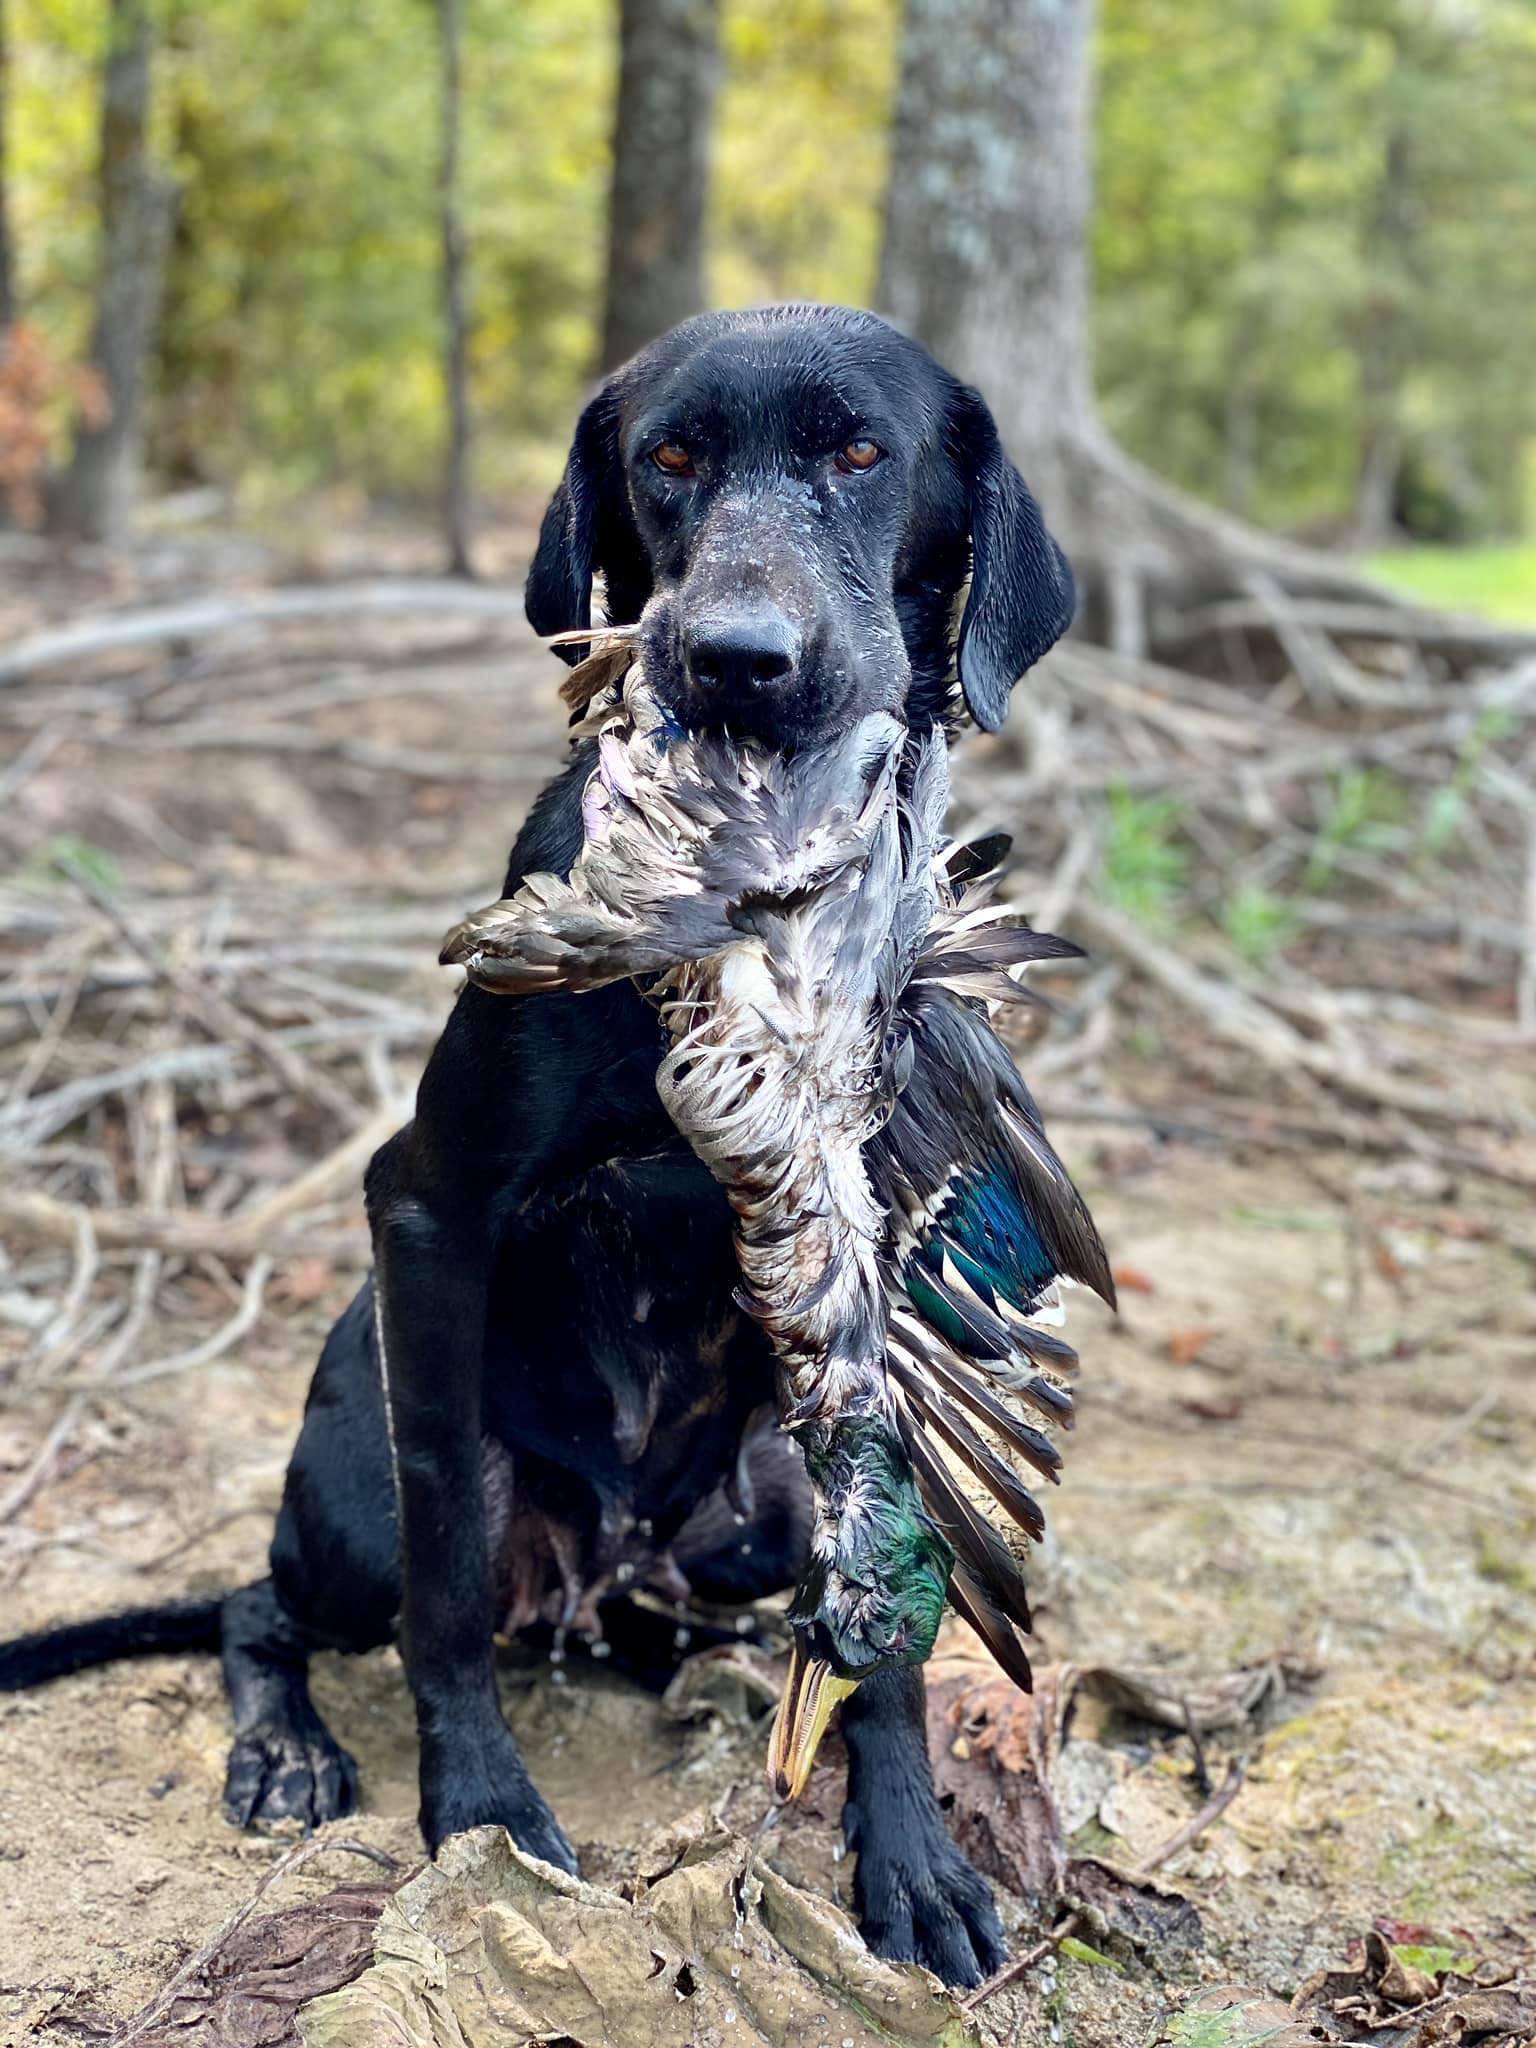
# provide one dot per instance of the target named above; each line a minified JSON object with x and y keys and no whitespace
{"x":918,"y":1899}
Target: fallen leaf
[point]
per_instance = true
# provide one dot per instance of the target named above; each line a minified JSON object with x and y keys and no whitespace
{"x":1185,"y":1346}
{"x":1231,"y":2016}
{"x":1080,"y":1952}
{"x":1132,"y":1280}
{"x":488,"y":1946}
{"x":247,"y":1993}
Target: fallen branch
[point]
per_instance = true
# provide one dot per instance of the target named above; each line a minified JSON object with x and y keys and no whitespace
{"x":1242,"y":1020}
{"x":1350,"y":622}
{"x":162,"y":623}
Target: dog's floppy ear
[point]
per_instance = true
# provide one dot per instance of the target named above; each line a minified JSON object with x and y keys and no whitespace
{"x":588,"y":527}
{"x":1022,"y":594}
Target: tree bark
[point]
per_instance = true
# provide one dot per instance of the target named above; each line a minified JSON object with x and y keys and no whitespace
{"x":668,"y":71}
{"x":456,"y":476}
{"x":98,"y":493}
{"x":7,"y":247}
{"x":986,"y":259}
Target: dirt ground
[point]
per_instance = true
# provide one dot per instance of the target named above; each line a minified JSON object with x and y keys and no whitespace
{"x":1309,"y":1440}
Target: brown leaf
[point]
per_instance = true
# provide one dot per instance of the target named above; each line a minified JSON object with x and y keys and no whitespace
{"x":1185,"y":1346}
{"x":247,"y":1993}
{"x":1132,"y":1280}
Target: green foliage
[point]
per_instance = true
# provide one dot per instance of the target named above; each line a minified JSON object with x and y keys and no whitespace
{"x":1244,"y":269}
{"x":1243,"y":275}
{"x":1365,"y":814}
{"x":66,"y":851}
{"x":1144,"y":864}
{"x":1258,"y":924}
{"x":1434,"y":1959}
{"x":1080,"y":1952}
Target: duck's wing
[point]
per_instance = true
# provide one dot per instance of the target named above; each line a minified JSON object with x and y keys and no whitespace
{"x":985,"y":1224}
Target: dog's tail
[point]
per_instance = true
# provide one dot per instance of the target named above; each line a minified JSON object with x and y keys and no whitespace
{"x":55,"y":1652}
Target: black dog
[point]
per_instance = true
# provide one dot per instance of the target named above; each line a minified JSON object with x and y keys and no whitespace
{"x":545,"y":1393}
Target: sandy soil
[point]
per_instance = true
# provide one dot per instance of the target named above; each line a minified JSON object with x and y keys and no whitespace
{"x":1344,"y":1483}
{"x":1309,"y":1438}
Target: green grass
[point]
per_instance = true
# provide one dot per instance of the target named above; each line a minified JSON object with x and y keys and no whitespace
{"x":1499,"y":581}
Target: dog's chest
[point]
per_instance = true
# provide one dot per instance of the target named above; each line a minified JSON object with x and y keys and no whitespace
{"x":621,"y":1374}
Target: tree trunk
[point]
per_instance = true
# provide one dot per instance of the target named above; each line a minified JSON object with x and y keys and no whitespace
{"x":668,"y":66}
{"x":986,"y":259}
{"x":96,"y":497}
{"x":986,"y":236}
{"x":456,"y":477}
{"x":1389,"y":257}
{"x":7,"y":247}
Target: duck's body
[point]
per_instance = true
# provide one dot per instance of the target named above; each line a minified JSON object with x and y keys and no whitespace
{"x":824,"y":963}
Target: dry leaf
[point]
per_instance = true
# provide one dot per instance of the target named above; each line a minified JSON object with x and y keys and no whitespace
{"x":1132,"y":1280}
{"x":488,"y":1947}
{"x":1185,"y":1346}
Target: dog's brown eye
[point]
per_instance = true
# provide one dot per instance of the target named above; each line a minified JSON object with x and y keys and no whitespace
{"x":859,"y":454}
{"x":673,"y":457}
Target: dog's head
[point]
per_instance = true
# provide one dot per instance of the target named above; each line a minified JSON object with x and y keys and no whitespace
{"x":790,"y":502}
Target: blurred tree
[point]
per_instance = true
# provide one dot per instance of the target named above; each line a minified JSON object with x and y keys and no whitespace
{"x":7,"y":250}
{"x":96,"y":496}
{"x":987,"y":260}
{"x":668,"y":70}
{"x":456,"y":477}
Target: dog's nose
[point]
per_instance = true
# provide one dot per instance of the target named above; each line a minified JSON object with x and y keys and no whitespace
{"x":740,"y":654}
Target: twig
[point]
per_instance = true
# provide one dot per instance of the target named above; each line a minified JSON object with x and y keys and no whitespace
{"x":12,"y":1502}
{"x":1243,"y":1021}
{"x":1525,"y":988}
{"x":214,"y":1010}
{"x":33,"y":756}
{"x":48,"y":1041}
{"x":1197,"y":1744}
{"x":1192,"y":1830}
{"x":223,"y":1339}
{"x":197,"y":1963}
{"x":81,"y":1280}
{"x":1021,"y":1965}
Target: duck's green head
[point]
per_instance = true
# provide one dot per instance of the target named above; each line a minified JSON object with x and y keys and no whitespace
{"x":872,"y":1591}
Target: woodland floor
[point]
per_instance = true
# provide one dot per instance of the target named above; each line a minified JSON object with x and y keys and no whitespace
{"x":1308,"y":1441}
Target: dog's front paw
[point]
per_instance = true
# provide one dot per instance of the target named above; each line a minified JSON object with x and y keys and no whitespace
{"x":919,"y":1901}
{"x":490,"y":1788}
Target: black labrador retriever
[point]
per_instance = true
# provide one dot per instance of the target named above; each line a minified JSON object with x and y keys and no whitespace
{"x":545,"y":1397}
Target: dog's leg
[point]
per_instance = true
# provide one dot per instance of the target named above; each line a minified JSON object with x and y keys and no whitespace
{"x":431,"y":1290}
{"x":285,"y":1763}
{"x":335,"y":1584}
{"x":918,"y":1899}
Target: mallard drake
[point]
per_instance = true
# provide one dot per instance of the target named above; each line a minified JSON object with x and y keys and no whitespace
{"x":825,"y":961}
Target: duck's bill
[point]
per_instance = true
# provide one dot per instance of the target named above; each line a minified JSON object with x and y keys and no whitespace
{"x":811,"y":1691}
